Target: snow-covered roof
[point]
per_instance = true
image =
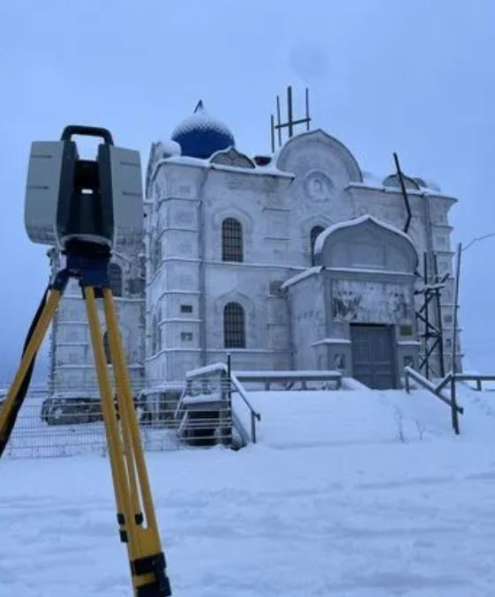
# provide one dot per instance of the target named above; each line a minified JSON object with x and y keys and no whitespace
{"x":373,"y":185}
{"x":393,"y":180}
{"x":320,"y":241}
{"x":415,"y":186}
{"x":184,"y":160}
{"x":232,"y":157}
{"x":429,"y":184}
{"x":371,"y":179}
{"x":168,"y":148}
{"x":201,"y":119}
{"x":200,"y":135}
{"x":331,"y":142}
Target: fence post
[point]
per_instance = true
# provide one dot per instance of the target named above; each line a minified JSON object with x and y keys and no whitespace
{"x":253,"y":428}
{"x":229,"y":379}
{"x":453,"y":396}
{"x":406,"y":379}
{"x":229,"y":394}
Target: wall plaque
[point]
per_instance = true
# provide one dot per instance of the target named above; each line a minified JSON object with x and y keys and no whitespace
{"x":371,"y":302}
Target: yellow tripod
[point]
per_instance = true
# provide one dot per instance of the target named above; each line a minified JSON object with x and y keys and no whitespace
{"x":136,"y":518}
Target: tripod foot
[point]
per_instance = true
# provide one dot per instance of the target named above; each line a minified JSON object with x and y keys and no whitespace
{"x":160,"y":587}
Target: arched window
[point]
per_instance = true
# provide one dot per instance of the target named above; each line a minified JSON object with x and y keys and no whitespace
{"x":234,"y":326}
{"x":232,"y":249}
{"x":315,"y":232}
{"x":115,"y":278}
{"x":106,"y":346}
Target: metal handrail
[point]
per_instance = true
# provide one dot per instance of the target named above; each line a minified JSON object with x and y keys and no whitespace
{"x":289,"y":377}
{"x":477,"y":377}
{"x":443,"y":382}
{"x":202,"y":371}
{"x":255,"y":416}
{"x":222,"y":369}
{"x":427,"y":385}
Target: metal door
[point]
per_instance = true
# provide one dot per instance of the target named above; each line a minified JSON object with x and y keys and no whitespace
{"x":373,"y":361}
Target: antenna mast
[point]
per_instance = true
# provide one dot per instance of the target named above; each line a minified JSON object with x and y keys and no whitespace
{"x":277,"y":126}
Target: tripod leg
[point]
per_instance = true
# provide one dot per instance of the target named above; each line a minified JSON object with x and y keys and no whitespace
{"x":114,"y":441}
{"x":148,"y":562}
{"x":10,"y":406}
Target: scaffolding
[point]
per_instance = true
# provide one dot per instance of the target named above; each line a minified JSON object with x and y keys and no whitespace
{"x":429,"y":318}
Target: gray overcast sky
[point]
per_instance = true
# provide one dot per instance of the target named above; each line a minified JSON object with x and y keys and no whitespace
{"x":411,"y":76}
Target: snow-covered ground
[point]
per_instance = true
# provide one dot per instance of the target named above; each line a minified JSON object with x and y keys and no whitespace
{"x":359,"y":494}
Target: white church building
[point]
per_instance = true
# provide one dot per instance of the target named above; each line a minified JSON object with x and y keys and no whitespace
{"x":296,"y":260}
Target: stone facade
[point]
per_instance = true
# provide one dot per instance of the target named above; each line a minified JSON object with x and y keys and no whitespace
{"x":314,"y":181}
{"x":365,"y":277}
{"x":315,"y":231}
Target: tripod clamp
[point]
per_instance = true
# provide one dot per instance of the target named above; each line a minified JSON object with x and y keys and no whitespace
{"x":88,"y":263}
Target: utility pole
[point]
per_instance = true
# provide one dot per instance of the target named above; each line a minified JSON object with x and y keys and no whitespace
{"x":453,"y":396}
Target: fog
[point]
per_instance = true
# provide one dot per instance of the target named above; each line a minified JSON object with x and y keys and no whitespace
{"x":414,"y":77}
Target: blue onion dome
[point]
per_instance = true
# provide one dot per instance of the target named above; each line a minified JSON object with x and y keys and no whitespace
{"x":200,"y":135}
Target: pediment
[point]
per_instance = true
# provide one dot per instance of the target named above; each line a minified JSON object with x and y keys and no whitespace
{"x":366,"y":243}
{"x":232,"y":157}
{"x":317,"y":148}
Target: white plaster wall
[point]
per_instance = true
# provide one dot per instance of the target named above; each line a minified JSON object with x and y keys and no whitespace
{"x":309,"y":320}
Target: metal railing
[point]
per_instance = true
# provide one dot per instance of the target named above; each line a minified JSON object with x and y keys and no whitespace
{"x":46,"y":432}
{"x":222,"y":377}
{"x":69,"y":422}
{"x":255,"y":416}
{"x":206,"y":425}
{"x":476,"y":377}
{"x":435,"y":390}
{"x":289,"y":379}
{"x":204,"y":414}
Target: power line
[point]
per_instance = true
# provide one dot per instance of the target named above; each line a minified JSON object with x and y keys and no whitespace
{"x":477,"y":239}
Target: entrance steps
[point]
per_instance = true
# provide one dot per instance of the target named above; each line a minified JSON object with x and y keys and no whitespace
{"x":205,"y":414}
{"x":224,"y":411}
{"x":217,"y":406}
{"x":317,"y":419}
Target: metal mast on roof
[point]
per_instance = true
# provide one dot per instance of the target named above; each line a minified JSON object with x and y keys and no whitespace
{"x":400,"y":176}
{"x":432,"y":359}
{"x":277,"y":127}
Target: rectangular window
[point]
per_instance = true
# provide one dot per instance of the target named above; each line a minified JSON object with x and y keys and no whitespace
{"x":186,"y":336}
{"x":186,"y":309}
